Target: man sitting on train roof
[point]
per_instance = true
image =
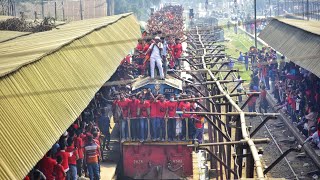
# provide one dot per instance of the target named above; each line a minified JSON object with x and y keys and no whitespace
{"x":155,"y":57}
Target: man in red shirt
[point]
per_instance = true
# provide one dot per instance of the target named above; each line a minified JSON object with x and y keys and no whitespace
{"x":177,"y":51}
{"x":123,"y":103}
{"x":72,"y":159}
{"x":172,"y":106}
{"x":65,"y":157}
{"x":80,"y":149}
{"x":143,"y":113}
{"x":46,"y":166}
{"x":162,"y":113}
{"x":263,"y":100}
{"x":252,"y":101}
{"x":198,"y":123}
{"x":134,"y":121}
{"x":154,"y":119}
{"x":58,"y":171}
{"x":184,"y":106}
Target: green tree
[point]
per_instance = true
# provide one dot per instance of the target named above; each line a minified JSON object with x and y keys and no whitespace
{"x":138,"y":7}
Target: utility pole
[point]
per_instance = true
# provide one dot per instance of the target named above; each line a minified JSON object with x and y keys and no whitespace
{"x":81,"y":15}
{"x":278,"y":8}
{"x":255,"y":23}
{"x":270,"y":7}
{"x":42,"y":9}
{"x":307,"y":10}
{"x":63,"y":16}
{"x":55,"y":10}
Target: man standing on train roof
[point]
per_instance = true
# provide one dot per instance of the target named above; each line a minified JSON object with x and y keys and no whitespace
{"x":123,"y":103}
{"x":185,"y":106}
{"x":177,"y":51}
{"x":144,"y":113}
{"x":172,"y":106}
{"x":155,"y":58}
{"x":154,"y":119}
{"x":134,"y":121}
{"x":162,"y":114}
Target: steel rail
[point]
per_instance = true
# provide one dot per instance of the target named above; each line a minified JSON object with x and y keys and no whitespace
{"x":244,"y":130}
{"x":276,"y":143}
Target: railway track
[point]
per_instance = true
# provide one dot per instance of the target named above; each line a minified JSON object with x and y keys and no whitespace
{"x":228,"y":158}
{"x":296,"y":165}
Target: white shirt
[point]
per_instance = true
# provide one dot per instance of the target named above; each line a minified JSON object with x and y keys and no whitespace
{"x":156,"y":51}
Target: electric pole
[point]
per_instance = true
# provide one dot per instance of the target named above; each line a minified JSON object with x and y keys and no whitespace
{"x":255,"y":23}
{"x":42,"y":9}
{"x":81,"y":15}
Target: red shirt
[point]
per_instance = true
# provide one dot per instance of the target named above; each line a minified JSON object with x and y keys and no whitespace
{"x":59,"y":172}
{"x":263,"y":94}
{"x":72,"y":159}
{"x":124,"y":105}
{"x":177,"y":51}
{"x":252,"y":100}
{"x":146,"y":47}
{"x":133,"y":105}
{"x":162,"y":109}
{"x":65,"y":159}
{"x":172,"y":108}
{"x":46,"y":167}
{"x":154,"y":106}
{"x":139,"y":47}
{"x":143,"y":109}
{"x":199,"y":120}
{"x":185,"y":106}
{"x":79,"y":144}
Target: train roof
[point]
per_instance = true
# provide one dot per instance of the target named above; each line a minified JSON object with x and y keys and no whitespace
{"x":170,"y":81}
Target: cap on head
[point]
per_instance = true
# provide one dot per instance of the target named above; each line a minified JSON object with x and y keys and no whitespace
{"x":157,"y":38}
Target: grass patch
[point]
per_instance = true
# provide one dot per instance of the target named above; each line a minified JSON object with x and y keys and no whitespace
{"x":235,"y":44}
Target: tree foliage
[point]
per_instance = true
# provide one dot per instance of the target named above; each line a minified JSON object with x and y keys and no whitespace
{"x":138,"y":7}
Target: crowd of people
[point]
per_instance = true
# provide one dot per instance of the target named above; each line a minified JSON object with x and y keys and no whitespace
{"x":79,"y":150}
{"x":295,"y":90}
{"x":160,"y":46}
{"x":162,"y":114}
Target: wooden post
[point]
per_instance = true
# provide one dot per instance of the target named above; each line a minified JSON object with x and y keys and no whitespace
{"x":42,"y":9}
{"x":149,"y":135}
{"x":63,"y":16}
{"x":81,"y":15}
{"x":129,"y":129}
{"x":166,"y":128}
{"x":55,"y":10}
{"x":187,"y":129}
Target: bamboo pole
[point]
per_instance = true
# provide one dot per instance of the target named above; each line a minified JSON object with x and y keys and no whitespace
{"x":242,"y":142}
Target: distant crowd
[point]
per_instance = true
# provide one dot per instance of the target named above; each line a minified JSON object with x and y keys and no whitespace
{"x":295,"y":90}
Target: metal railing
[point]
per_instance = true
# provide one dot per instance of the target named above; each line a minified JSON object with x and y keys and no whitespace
{"x":149,"y":128}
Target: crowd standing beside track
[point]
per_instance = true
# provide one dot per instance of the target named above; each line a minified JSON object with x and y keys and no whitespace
{"x":295,"y":89}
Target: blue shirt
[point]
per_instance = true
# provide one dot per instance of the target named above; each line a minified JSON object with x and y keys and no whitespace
{"x":104,"y":123}
{"x":164,"y":50}
{"x":246,"y":59}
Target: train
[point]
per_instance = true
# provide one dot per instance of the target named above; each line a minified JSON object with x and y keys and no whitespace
{"x":160,"y":159}
{"x":202,"y":71}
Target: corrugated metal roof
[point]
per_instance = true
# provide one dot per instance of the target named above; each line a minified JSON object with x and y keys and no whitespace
{"x":7,"y":35}
{"x":49,"y":78}
{"x":310,"y":26}
{"x":299,"y":45}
